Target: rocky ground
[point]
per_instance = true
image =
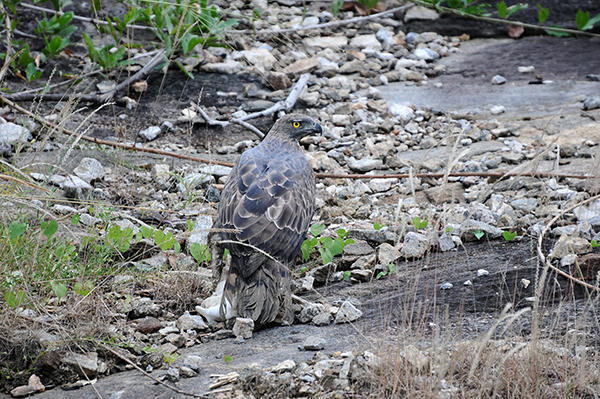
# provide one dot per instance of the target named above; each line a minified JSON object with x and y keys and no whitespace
{"x":438,"y":255}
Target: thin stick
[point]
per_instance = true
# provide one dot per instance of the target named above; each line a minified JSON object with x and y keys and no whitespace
{"x":138,"y":368}
{"x":318,"y":175}
{"x":80,"y":18}
{"x":321,"y":26}
{"x":8,"y":58}
{"x":110,"y":143}
{"x":505,"y":21}
{"x":30,"y":94}
{"x":22,"y":182}
{"x":136,"y":76}
{"x":215,"y":122}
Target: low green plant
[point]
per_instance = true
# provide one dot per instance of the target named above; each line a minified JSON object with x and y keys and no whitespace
{"x":594,"y":244}
{"x":227,"y":358}
{"x":419,"y":223}
{"x":478,"y":234}
{"x":509,"y":236}
{"x":328,"y":247}
{"x":200,"y":252}
{"x":391,"y":269}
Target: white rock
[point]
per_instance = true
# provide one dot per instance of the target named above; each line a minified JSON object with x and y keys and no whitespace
{"x":227,"y":67}
{"x":419,"y":12}
{"x":366,"y":41}
{"x":427,"y":54}
{"x":526,"y":69}
{"x":405,"y":113}
{"x":150,"y":133}
{"x":347,"y":313}
{"x":333,"y":42}
{"x":415,"y":245}
{"x":260,"y":57}
{"x":89,"y":170}
{"x":12,"y":134}
{"x":364,"y":165}
{"x":497,"y":109}
{"x":243,"y":327}
{"x":446,"y":286}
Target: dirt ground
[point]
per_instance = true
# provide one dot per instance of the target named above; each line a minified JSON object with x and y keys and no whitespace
{"x":412,"y":295}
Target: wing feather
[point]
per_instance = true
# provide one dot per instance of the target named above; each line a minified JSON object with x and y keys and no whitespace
{"x":270,"y":198}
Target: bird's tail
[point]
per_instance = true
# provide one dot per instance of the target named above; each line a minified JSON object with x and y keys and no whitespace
{"x":264,"y":296}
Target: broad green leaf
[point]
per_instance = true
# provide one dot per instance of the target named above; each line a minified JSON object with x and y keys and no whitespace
{"x":227,"y":358}
{"x":200,"y":252}
{"x":543,"y":14}
{"x":75,"y":219}
{"x":380,"y":275}
{"x":377,"y":226}
{"x":594,"y":244}
{"x":14,"y":299}
{"x":582,"y":18}
{"x":16,"y":230}
{"x":478,"y":234}
{"x":346,"y":275}
{"x":592,"y":21}
{"x":501,"y":7}
{"x":316,"y":229}
{"x":83,"y":288}
{"x":508,"y":236}
{"x":147,"y":231}
{"x":60,"y":290}
{"x":49,"y":228}
{"x":555,"y":32}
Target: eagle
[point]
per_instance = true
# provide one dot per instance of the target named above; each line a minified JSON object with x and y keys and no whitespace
{"x":265,"y":211}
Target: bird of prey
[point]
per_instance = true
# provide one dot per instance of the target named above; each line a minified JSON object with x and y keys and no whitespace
{"x":269,"y":199}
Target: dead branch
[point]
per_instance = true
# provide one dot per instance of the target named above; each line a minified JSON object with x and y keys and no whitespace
{"x":497,"y":174}
{"x":31,"y":94}
{"x":138,"y":368}
{"x":80,"y":18}
{"x":215,"y":122}
{"x":321,"y":26}
{"x":547,"y":263}
{"x":135,"y":77}
{"x":286,"y":105}
{"x":8,"y":58}
{"x":110,"y":143}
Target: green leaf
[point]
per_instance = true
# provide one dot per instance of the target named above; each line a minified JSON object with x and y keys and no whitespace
{"x":582,"y":18}
{"x":316,"y":229}
{"x":594,"y":244}
{"x":346,"y":275}
{"x":508,"y":236}
{"x":336,"y":6}
{"x":515,"y":8}
{"x":185,"y":71}
{"x":49,"y":228}
{"x":32,"y":73}
{"x":342,"y":233}
{"x":83,"y":288}
{"x":75,"y":219}
{"x":147,"y":231}
{"x":501,"y":6}
{"x":377,"y":226}
{"x":478,"y":234}
{"x":14,"y":299}
{"x":200,"y":252}
{"x":60,"y":290}
{"x":164,"y":241}
{"x":448,"y":229}
{"x":543,"y":14}
{"x":380,"y":275}
{"x":419,"y":223}
{"x":556,"y":33}
{"x":392,"y":268}
{"x":227,"y":358}
{"x":326,"y":255}
{"x":592,"y":21}
{"x":16,"y":230}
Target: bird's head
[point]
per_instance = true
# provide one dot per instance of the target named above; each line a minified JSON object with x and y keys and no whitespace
{"x":294,"y":126}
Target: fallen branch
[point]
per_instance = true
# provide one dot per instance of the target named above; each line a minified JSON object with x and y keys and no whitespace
{"x":110,"y":143}
{"x":321,"y":26}
{"x":497,"y":174}
{"x":546,"y":262}
{"x":158,"y":57}
{"x":80,"y":18}
{"x":215,"y":122}
{"x":138,"y":368}
{"x":286,"y":105}
{"x":32,"y":94}
{"x":503,"y":21}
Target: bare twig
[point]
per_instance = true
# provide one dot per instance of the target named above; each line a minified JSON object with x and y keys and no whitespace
{"x":547,"y":263}
{"x":31,"y":93}
{"x":321,"y":26}
{"x":136,"y":76}
{"x":110,"y":143}
{"x":22,"y":182}
{"x":8,"y":58}
{"x":497,"y":174}
{"x":215,"y":122}
{"x":80,"y":18}
{"x":138,"y":368}
{"x":505,"y":21}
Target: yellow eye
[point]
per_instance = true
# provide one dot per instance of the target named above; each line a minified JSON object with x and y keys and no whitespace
{"x":296,"y":124}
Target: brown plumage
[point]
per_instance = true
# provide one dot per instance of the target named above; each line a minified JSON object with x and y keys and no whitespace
{"x":269,"y":198}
